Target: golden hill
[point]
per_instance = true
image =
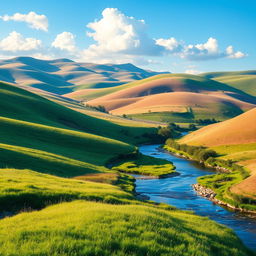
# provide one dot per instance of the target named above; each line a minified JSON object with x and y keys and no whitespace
{"x":238,"y":130}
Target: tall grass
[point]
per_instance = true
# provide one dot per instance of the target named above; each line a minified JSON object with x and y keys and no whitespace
{"x":83,"y":228}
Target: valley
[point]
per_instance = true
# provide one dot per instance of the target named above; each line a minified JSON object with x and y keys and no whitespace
{"x":69,"y":159}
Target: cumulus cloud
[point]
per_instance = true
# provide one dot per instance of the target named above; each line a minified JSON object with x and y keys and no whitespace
{"x":118,"y":38}
{"x":34,"y":20}
{"x":15,"y":42}
{"x":234,"y":55}
{"x":65,"y":41}
{"x":208,"y":50}
{"x":172,"y":45}
{"x":117,"y":33}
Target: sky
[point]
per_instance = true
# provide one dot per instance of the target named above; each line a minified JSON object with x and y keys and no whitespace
{"x":163,"y":35}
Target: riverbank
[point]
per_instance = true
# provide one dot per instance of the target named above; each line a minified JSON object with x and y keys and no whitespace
{"x":178,"y":192}
{"x":228,"y":174}
{"x":211,"y":195}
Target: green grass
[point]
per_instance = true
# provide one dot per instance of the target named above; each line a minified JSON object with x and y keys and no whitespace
{"x":56,"y":151}
{"x":220,"y":111}
{"x":237,"y":152}
{"x":168,"y":117}
{"x":38,"y":134}
{"x":83,"y":228}
{"x":22,"y":105}
{"x":241,"y":80}
{"x":221,"y":184}
{"x":146,"y":165}
{"x":26,"y":189}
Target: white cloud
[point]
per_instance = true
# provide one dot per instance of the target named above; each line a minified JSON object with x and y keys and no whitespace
{"x":65,"y":41}
{"x":15,"y":42}
{"x":119,"y":34}
{"x":234,"y":55}
{"x":171,"y":44}
{"x":34,"y":20}
{"x":208,"y":50}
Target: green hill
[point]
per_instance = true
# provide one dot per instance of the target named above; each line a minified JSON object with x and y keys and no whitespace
{"x":44,"y":136}
{"x":242,"y":80}
{"x":23,"y":105}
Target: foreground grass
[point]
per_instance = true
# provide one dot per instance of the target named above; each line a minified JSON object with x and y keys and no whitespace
{"x":83,"y":228}
{"x":26,"y":189}
{"x":146,"y":165}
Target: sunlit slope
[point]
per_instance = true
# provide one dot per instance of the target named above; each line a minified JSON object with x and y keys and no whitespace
{"x":23,"y":105}
{"x":177,"y":93}
{"x":83,"y":228}
{"x":235,"y":140}
{"x":238,"y":130}
{"x":170,"y":82}
{"x":26,"y":188}
{"x":242,"y":80}
{"x":54,"y":139}
{"x":53,"y":150}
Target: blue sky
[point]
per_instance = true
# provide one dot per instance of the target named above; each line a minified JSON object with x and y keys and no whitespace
{"x":178,"y":36}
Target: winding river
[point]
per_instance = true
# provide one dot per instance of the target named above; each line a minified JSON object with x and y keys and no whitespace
{"x":177,"y":191}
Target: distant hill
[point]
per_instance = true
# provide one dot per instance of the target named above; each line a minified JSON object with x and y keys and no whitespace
{"x":64,"y":76}
{"x":242,"y":80}
{"x":194,"y":96}
{"x":238,"y":130}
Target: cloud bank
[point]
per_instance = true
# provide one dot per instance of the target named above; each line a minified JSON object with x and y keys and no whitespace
{"x":118,"y":38}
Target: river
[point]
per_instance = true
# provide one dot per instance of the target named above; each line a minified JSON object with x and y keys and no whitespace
{"x":177,"y":191}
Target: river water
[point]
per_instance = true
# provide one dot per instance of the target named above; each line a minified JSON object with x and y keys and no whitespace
{"x":177,"y":191}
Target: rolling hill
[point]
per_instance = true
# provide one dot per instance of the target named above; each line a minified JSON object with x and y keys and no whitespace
{"x":88,"y":218}
{"x":234,"y":140}
{"x":238,"y":130}
{"x":42,"y":135}
{"x":182,"y":94}
{"x":63,"y":75}
{"x":242,"y":80}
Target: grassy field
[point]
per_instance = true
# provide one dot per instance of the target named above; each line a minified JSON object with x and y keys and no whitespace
{"x":219,"y":111}
{"x":146,"y":165}
{"x":26,"y":189}
{"x":82,"y":228}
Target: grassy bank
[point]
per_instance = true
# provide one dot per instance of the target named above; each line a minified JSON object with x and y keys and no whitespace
{"x":26,"y":189}
{"x":145,"y":165}
{"x":220,"y":183}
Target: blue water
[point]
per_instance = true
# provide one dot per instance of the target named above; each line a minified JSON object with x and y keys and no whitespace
{"x":177,"y":191}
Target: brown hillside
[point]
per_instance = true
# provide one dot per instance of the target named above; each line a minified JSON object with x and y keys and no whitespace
{"x":238,"y":130}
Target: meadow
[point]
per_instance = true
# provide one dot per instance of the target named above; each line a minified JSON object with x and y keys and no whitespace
{"x":89,"y":228}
